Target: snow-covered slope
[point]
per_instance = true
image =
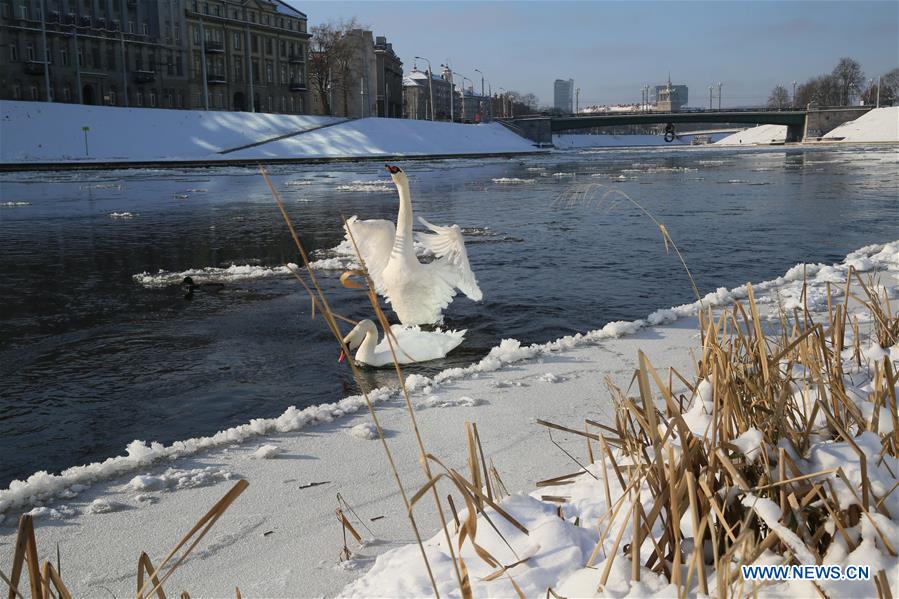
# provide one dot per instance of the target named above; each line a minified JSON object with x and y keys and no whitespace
{"x":51,"y":132}
{"x":761,"y":135}
{"x":376,"y":136}
{"x":879,"y":125}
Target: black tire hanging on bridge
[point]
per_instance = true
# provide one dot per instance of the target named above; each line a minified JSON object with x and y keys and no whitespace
{"x":669,"y":133}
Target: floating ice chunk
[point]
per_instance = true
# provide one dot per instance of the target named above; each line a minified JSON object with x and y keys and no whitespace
{"x":235,"y":272}
{"x":267,"y":452}
{"x":550,"y":378}
{"x":366,"y":430}
{"x":513,"y":181}
{"x":121,"y":215}
{"x":59,"y":513}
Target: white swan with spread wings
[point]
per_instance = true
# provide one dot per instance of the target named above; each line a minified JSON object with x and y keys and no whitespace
{"x":417,"y":292}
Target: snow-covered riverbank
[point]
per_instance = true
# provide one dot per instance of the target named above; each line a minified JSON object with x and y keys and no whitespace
{"x":41,"y":132}
{"x":282,"y":535}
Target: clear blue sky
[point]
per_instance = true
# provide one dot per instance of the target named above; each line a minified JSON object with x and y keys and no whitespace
{"x":611,"y":49}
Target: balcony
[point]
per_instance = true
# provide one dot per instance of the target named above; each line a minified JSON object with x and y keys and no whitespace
{"x":216,"y":79}
{"x":144,"y":76}
{"x":214,"y":47}
{"x":295,"y":58}
{"x":34,"y":67}
{"x":297,"y":86}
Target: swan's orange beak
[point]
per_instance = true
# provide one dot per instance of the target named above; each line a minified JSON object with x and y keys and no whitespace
{"x":392,"y":169}
{"x":342,"y":356}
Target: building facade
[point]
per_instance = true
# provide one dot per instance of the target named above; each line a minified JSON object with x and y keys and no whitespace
{"x":247,"y":56}
{"x":563,"y":95}
{"x":389,"y":80}
{"x":417,"y":96}
{"x":155,"y":53}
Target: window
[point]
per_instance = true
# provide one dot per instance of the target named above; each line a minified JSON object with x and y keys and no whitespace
{"x":13,"y":53}
{"x":179,"y":65}
{"x":131,"y":27}
{"x":23,"y":11}
{"x":197,"y":67}
{"x":170,"y":63}
{"x":269,"y":72}
{"x":269,"y":46}
{"x":34,"y":92}
{"x":238,"y":69}
{"x":267,"y":20}
{"x":271,"y":104}
{"x":206,"y":7}
{"x":48,"y":54}
{"x":140,"y":98}
{"x":80,"y":57}
{"x":145,"y":28}
{"x":283,"y":48}
{"x":198,"y":101}
{"x":112,"y":98}
{"x":292,"y":105}
{"x":139,"y":60}
{"x":283,"y":104}
{"x":196,"y":35}
{"x":4,"y":10}
{"x":180,"y":99}
{"x":64,"y":56}
{"x":284,"y":74}
{"x":177,"y":33}
{"x":153,"y":99}
{"x":236,"y":40}
{"x":217,"y":10}
{"x":67,"y":94}
{"x":29,"y":52}
{"x":110,"y":57}
{"x":255,"y":39}
{"x":17,"y":91}
{"x":257,"y":75}
{"x":168,"y":100}
{"x":95,"y":56}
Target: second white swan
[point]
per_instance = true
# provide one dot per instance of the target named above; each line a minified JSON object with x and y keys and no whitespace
{"x":411,"y":345}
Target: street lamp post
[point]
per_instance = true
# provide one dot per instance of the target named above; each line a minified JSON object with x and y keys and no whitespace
{"x":481,"y":101}
{"x":452,"y":93}
{"x":719,"y":94}
{"x":430,"y":83}
{"x":793,"y":102}
{"x":710,"y":97}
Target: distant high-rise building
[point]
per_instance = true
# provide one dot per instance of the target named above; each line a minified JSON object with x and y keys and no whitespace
{"x":563,"y":96}
{"x":669,"y":97}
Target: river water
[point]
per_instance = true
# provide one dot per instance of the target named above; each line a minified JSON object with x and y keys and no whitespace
{"x":92,"y":358}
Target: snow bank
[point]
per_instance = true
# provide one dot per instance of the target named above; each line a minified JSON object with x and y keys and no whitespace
{"x":878,"y":125}
{"x":761,"y":135}
{"x":52,"y":132}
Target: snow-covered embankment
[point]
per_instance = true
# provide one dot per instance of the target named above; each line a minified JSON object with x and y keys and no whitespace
{"x":41,"y":132}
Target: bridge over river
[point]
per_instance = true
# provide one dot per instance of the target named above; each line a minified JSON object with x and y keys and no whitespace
{"x":801,"y":124}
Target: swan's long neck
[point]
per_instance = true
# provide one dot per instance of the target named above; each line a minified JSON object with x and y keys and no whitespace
{"x":402,"y":243}
{"x":367,"y":347}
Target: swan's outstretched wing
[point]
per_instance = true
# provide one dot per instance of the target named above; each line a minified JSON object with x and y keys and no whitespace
{"x":374,"y":238}
{"x":449,"y":246}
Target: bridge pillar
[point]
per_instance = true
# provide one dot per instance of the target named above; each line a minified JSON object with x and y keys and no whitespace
{"x":795,"y":133}
{"x":537,"y":130}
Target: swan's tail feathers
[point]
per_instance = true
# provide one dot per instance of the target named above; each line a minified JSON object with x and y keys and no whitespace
{"x":374,"y":238}
{"x":448,"y":245}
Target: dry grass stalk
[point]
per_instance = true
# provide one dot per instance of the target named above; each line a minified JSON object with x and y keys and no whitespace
{"x":203,"y":526}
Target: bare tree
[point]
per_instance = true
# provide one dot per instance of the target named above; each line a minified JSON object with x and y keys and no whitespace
{"x":823,"y":91}
{"x":849,"y":75}
{"x":779,"y":98}
{"x":888,"y":92}
{"x":331,"y":61}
